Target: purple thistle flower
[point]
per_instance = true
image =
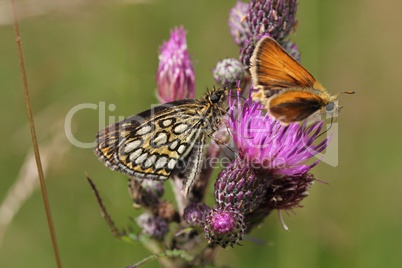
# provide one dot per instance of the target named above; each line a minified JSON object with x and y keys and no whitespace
{"x":228,"y":72}
{"x":283,"y":193}
{"x":241,"y":187}
{"x":154,"y":226}
{"x":274,"y":17}
{"x":267,"y":145}
{"x":288,"y":192}
{"x":238,"y":25}
{"x":246,"y":51}
{"x":224,"y":226}
{"x":175,"y":77}
{"x":270,"y":171}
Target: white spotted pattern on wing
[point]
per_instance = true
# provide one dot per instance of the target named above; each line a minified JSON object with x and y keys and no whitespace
{"x":161,"y":138}
{"x":161,"y":163}
{"x":144,"y":130}
{"x":135,"y":155}
{"x":132,"y":146}
{"x":150,"y":161}
{"x":180,"y":128}
{"x":172,"y":163}
{"x":141,"y":158}
{"x":173,"y":145}
{"x":181,"y":149}
{"x":167,"y":122}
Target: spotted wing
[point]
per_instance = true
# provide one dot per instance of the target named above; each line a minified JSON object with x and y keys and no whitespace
{"x":192,"y":164}
{"x":151,"y":143}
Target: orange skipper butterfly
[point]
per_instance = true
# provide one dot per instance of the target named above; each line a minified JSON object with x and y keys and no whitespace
{"x":289,"y":92}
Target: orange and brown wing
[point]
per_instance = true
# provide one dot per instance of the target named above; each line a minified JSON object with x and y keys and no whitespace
{"x":294,"y":106}
{"x":273,"y":69}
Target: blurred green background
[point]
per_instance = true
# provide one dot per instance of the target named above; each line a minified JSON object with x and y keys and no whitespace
{"x":106,"y":51}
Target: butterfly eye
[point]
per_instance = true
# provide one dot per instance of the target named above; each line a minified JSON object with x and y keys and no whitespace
{"x":330,"y":107}
{"x":215,"y":97}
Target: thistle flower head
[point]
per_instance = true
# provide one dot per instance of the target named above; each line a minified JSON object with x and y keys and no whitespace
{"x":154,"y":226}
{"x":274,"y":17}
{"x":270,"y":171}
{"x":224,"y":226}
{"x":238,"y":25}
{"x":175,"y":77}
{"x":248,"y":47}
{"x":240,"y":186}
{"x":283,"y":193}
{"x":287,"y":192}
{"x":267,"y":145}
{"x":228,"y":71}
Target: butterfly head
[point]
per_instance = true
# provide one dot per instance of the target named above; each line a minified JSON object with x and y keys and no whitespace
{"x":216,"y":96}
{"x":331,"y":106}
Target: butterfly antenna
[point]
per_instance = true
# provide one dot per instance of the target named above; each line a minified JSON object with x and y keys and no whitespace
{"x":344,"y":92}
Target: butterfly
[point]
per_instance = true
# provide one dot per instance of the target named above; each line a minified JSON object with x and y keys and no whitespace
{"x":289,"y":91}
{"x":166,"y":140}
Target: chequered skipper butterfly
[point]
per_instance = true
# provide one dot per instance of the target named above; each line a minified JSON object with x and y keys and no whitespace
{"x":168,"y":139}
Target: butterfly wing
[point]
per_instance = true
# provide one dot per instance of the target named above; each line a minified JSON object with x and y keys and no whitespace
{"x":273,"y":69}
{"x":151,"y":143}
{"x":192,"y":165}
{"x":294,"y":106}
